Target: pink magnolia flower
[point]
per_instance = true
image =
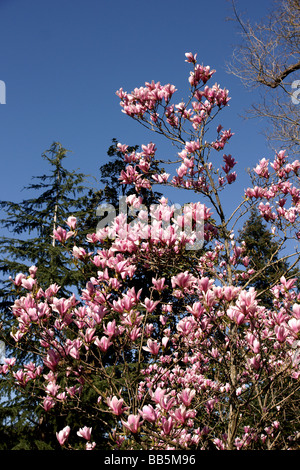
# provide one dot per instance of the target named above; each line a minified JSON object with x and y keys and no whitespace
{"x":133,"y":423}
{"x":231,"y":177}
{"x":134,"y":201}
{"x":193,"y":146}
{"x":150,"y":305}
{"x":18,"y":279}
{"x":235,"y":315}
{"x":32,"y":271}
{"x":200,"y":73}
{"x":149,"y":414}
{"x":52,"y":290}
{"x":149,"y":150}
{"x":230,"y":292}
{"x":294,"y":324}
{"x":181,"y":414}
{"x":28,"y":283}
{"x":186,"y":396}
{"x":162,"y":178}
{"x":17,"y":336}
{"x":85,"y":433}
{"x":135,"y":333}
{"x":158,"y":395}
{"x":61,"y":306}
{"x":111,"y":329}
{"x":186,"y":325}
{"x":103,"y":343}
{"x":48,"y":403}
{"x":167,"y":402}
{"x":287,"y":284}
{"x":204,"y":283}
{"x":62,"y":235}
{"x":196,"y":310}
{"x":89,"y":334}
{"x":122,"y":147}
{"x":210,"y":404}
{"x":167,"y":425}
{"x":159,"y":284}
{"x":229,"y":163}
{"x":63,"y":435}
{"x":152,"y":346}
{"x":71,"y":222}
{"x":52,"y":389}
{"x":190,"y":57}
{"x":296,"y":310}
{"x":10,"y":361}
{"x":219,"y":444}
{"x":79,"y":252}
{"x":52,"y":359}
{"x":90,"y":445}
{"x":262,"y":168}
{"x":256,"y":192}
{"x":182,"y":280}
{"x":20,"y":377}
{"x":255,"y":362}
{"x":281,"y":333}
{"x":116,"y":405}
{"x":4,"y":369}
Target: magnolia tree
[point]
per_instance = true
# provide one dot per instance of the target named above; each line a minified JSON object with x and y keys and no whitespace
{"x":186,"y":357}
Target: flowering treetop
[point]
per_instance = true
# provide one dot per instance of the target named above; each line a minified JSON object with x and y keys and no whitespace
{"x":174,"y":343}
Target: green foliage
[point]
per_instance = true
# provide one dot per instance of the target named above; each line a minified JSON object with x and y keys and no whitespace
{"x":28,"y":226}
{"x":264,"y":256}
{"x":31,"y":223}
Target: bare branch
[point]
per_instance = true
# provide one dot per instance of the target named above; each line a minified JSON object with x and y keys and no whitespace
{"x":268,"y":58}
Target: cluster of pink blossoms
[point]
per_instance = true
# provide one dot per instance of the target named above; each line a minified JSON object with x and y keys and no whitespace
{"x":151,"y":106}
{"x":187,"y":354}
{"x":177,"y":402}
{"x":279,"y":189}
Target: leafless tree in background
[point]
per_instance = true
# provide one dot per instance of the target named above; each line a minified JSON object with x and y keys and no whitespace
{"x":268,"y":58}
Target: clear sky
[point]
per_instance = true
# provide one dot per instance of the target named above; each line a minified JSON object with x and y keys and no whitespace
{"x":63,"y":60}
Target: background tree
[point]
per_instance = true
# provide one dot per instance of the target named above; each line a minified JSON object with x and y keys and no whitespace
{"x":267,"y":58}
{"x":28,"y":241}
{"x":264,"y":255}
{"x":31,"y":223}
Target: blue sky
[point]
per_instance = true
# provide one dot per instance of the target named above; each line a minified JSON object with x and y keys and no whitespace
{"x":63,"y":60}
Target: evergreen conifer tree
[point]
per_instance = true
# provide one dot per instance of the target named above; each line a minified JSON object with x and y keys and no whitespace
{"x":32,"y":221}
{"x":264,"y":254}
{"x":28,"y":226}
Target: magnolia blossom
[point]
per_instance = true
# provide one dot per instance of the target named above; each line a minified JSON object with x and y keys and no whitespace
{"x":63,"y":435}
{"x":18,"y":279}
{"x":71,"y":222}
{"x":133,"y":423}
{"x":148,"y":413}
{"x":62,"y":235}
{"x":85,"y":433}
{"x":116,"y":405}
{"x":152,"y":346}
